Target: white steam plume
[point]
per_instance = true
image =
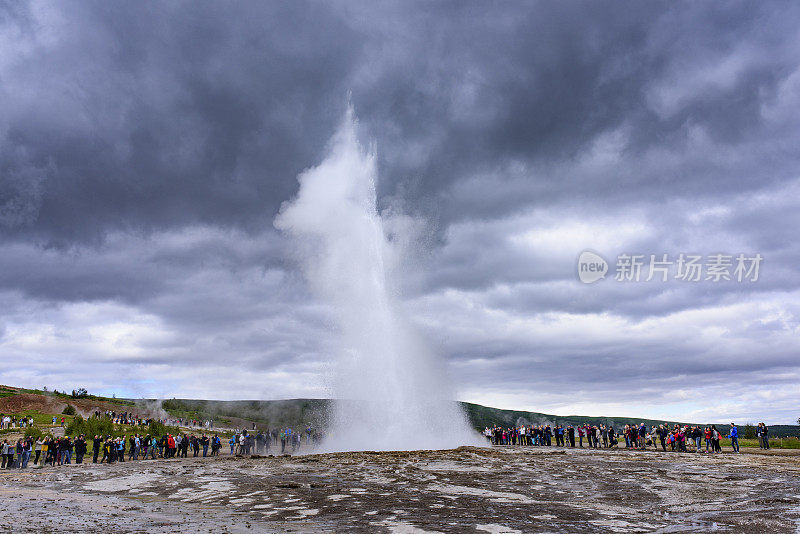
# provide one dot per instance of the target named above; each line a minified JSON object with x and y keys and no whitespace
{"x":392,"y":390}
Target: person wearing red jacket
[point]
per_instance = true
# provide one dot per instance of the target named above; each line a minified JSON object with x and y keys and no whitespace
{"x":171,"y":446}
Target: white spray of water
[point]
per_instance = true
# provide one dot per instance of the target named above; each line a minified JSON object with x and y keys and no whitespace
{"x":392,"y":391}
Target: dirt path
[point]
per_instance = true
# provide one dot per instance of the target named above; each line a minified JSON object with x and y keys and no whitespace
{"x":465,"y":490}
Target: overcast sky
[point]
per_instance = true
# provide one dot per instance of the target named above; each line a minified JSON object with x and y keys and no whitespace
{"x":145,"y":149}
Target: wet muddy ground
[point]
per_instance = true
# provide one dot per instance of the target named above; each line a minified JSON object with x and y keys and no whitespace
{"x":464,"y":490}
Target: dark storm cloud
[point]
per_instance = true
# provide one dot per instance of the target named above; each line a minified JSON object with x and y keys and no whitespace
{"x":167,"y":114}
{"x":483,"y":89}
{"x":145,"y":149}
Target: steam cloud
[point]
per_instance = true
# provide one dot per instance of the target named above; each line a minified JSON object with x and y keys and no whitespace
{"x":392,"y":390}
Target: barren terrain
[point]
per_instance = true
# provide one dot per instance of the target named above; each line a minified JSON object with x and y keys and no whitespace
{"x":463,"y":490}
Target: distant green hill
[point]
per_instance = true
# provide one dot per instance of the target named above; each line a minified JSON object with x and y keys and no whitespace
{"x":277,"y":413}
{"x":301,"y":412}
{"x":483,"y":416}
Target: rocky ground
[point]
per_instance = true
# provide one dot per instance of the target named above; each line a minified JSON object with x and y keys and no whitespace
{"x":464,"y":490}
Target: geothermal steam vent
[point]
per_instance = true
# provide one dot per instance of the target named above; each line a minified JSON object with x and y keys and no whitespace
{"x":392,"y":390}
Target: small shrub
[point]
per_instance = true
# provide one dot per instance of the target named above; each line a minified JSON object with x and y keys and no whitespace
{"x":69,"y":410}
{"x":157,"y":428}
{"x":91,"y":427}
{"x":34,"y":433}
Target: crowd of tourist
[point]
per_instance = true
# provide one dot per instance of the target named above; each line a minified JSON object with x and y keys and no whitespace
{"x":681,"y":438}
{"x":108,"y":449}
{"x":128,"y":418}
{"x":65,"y":450}
{"x":262,"y":441}
{"x":123,"y":418}
{"x":11,"y":421}
{"x":194,"y":423}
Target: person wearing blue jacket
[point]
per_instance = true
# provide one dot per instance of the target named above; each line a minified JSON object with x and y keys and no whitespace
{"x":734,"y":435}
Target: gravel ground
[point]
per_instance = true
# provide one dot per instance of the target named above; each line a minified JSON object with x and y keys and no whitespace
{"x":464,"y":490}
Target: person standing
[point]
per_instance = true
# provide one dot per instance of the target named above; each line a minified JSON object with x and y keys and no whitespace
{"x":97,"y":444}
{"x":4,"y":453}
{"x":80,"y":449}
{"x":171,"y":446}
{"x":49,"y":451}
{"x":734,"y":435}
{"x":38,"y":450}
{"x":662,"y":436}
{"x":27,"y":446}
{"x":106,"y":451}
{"x":765,"y":434}
{"x":66,"y":450}
{"x":715,"y":437}
{"x":11,"y":463}
{"x":698,"y":438}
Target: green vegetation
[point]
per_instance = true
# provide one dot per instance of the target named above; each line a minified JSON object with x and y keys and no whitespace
{"x":157,"y":428}
{"x":42,"y":419}
{"x":103,"y":426}
{"x":295,"y":412}
{"x":36,"y":433}
{"x":79,"y":394}
{"x":774,"y":443}
{"x":784,"y":431}
{"x":69,"y":410}
{"x":90,"y":427}
{"x":46,"y":419}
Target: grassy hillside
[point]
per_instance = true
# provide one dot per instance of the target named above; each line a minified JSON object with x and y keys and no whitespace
{"x":785,"y":430}
{"x":7,"y":391}
{"x":279,"y":413}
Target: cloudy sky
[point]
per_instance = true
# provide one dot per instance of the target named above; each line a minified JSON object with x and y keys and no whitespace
{"x":145,"y":149}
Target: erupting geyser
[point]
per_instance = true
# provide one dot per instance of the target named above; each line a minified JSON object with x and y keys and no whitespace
{"x":391,"y":389}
